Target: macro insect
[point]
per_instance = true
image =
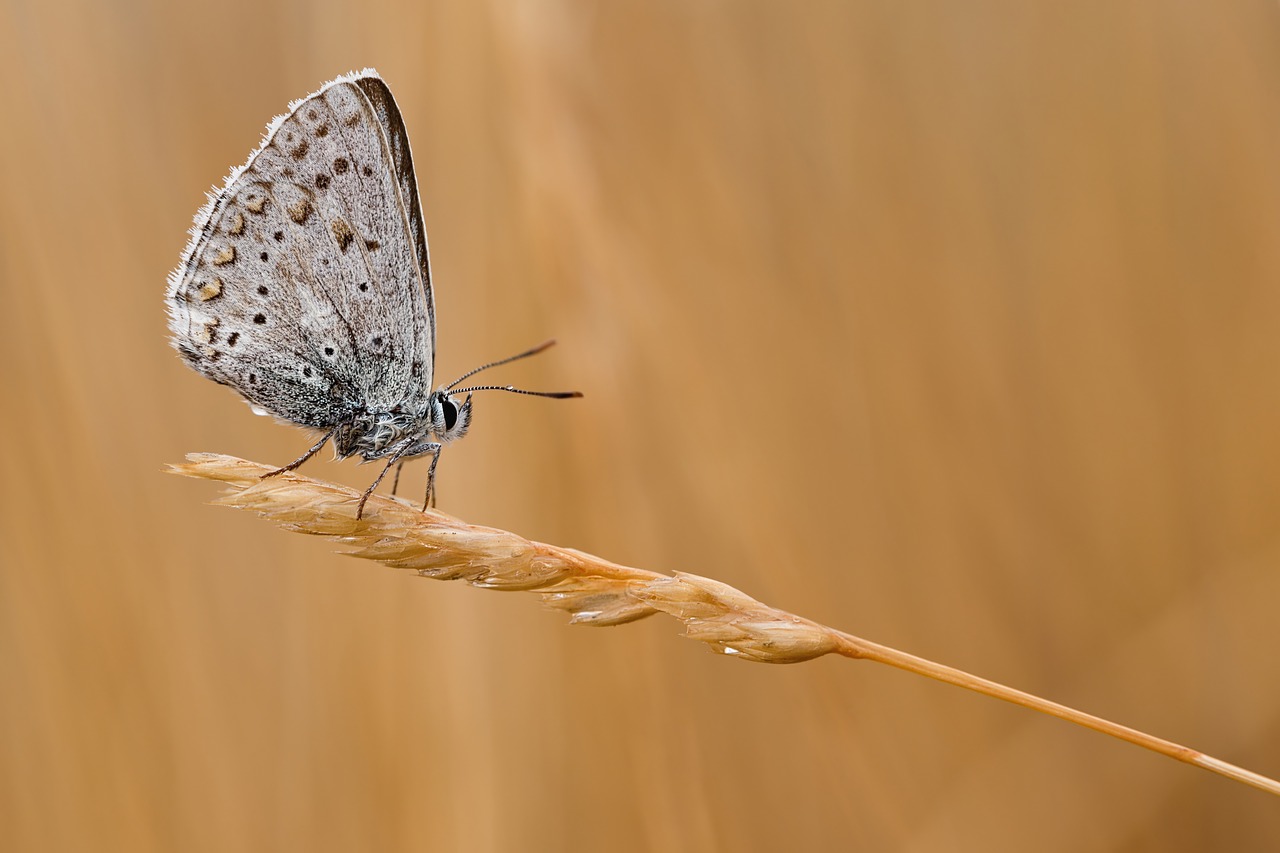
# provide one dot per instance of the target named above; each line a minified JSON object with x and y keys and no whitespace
{"x":306,"y":286}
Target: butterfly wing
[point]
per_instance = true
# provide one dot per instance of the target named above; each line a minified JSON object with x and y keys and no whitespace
{"x":388,"y":115}
{"x":306,"y":285}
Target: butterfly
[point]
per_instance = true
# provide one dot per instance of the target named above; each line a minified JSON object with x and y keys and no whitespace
{"x":306,"y":286}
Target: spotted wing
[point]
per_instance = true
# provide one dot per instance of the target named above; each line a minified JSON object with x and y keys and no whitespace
{"x":306,"y":285}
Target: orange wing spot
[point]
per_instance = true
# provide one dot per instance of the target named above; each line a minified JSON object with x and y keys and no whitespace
{"x":210,"y":290}
{"x":342,"y":233}
{"x":300,"y":210}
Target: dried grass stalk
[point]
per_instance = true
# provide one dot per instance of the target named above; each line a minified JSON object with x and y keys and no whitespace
{"x":597,"y":592}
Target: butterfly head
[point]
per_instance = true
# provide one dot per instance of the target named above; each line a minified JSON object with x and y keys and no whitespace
{"x":449,"y":419}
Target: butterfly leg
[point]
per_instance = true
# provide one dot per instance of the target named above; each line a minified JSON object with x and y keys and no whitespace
{"x":434,"y":448}
{"x":395,"y":483}
{"x":430,"y":500}
{"x":399,"y":457}
{"x":315,"y":448}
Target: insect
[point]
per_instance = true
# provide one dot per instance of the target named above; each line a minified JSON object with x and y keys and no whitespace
{"x":306,"y":286}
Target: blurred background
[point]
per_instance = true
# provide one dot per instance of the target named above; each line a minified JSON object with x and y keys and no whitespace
{"x":955,"y":326}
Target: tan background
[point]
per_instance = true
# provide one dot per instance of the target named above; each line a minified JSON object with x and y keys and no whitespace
{"x":954,"y":325}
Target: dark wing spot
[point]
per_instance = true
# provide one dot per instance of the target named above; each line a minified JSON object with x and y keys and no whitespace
{"x":341,"y":165}
{"x":352,"y":120}
{"x":263,"y":256}
{"x":328,"y":350}
{"x":262,"y":290}
{"x":301,"y":151}
{"x":306,"y":371}
{"x":311,"y":113}
{"x":232,"y":338}
{"x":372,"y":244}
{"x":366,"y":170}
{"x":322,"y":181}
{"x":377,"y":340}
{"x":253,"y":379}
{"x":322,"y":131}
{"x":278,"y":236}
{"x":364,"y":287}
{"x":260,"y":319}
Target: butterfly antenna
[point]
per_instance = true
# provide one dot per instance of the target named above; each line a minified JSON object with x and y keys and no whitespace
{"x":557,"y":395}
{"x":539,"y":348}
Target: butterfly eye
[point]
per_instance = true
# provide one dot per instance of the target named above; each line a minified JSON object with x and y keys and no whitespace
{"x":450,"y":413}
